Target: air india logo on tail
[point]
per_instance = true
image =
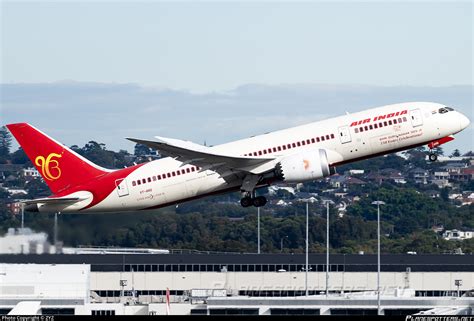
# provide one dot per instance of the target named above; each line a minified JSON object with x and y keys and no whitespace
{"x":49,"y":166}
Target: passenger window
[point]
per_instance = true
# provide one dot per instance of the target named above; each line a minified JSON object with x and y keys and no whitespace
{"x":327,"y":137}
{"x":298,"y":144}
{"x":322,"y":138}
{"x":154,"y":178}
{"x":139,"y":182}
{"x":303,"y":143}
{"x":308,"y":141}
{"x":332,"y":136}
{"x":279,"y":148}
{"x":390,"y":122}
{"x":317,"y":139}
{"x":188,"y":170}
{"x":394,"y":121}
{"x":361,"y":129}
{"x":149,"y":179}
{"x":356,"y":130}
{"x":404,"y":119}
{"x":159,"y":177}
{"x":260,"y":153}
{"x":264,"y":151}
{"x":385,"y":123}
{"x":294,"y":145}
{"x":313,"y":140}
{"x":144,"y":181}
{"x":168,"y":175}
{"x":134,"y":183}
{"x":375,"y":126}
{"x":366,"y":128}
{"x":284,"y":147}
{"x":269,"y":150}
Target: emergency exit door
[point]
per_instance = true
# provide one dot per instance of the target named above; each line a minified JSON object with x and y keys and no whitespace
{"x":416,"y":117}
{"x":344,"y":134}
{"x":122,"y":188}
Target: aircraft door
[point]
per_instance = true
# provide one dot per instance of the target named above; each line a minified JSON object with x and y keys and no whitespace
{"x":344,"y":134}
{"x":122,"y":188}
{"x":416,"y":118}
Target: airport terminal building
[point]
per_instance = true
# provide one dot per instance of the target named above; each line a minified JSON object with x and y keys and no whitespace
{"x":231,"y":283}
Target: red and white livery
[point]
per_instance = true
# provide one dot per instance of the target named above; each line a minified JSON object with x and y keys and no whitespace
{"x":191,"y":171}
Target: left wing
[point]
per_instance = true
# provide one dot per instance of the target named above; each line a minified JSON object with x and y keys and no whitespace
{"x":191,"y":153}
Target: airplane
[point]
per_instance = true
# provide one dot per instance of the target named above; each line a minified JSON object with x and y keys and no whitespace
{"x":191,"y":171}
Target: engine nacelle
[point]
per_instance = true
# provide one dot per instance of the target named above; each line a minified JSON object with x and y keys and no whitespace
{"x":307,"y":166}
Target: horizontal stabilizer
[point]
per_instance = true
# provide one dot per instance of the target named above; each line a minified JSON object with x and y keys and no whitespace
{"x":36,"y":204}
{"x":54,"y":200}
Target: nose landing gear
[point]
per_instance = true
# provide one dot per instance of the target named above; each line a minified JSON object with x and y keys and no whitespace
{"x":432,"y":157}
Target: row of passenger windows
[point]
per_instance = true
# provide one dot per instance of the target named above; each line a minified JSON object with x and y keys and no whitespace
{"x":292,"y":145}
{"x":259,"y":153}
{"x":166,"y":175}
{"x":380,"y":125}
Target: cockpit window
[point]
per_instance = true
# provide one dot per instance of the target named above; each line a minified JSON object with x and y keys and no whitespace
{"x":444,"y":110}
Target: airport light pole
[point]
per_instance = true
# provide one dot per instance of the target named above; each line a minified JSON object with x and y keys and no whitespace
{"x":22,"y":216}
{"x":327,"y":248}
{"x":258,"y":230}
{"x":311,"y":200}
{"x":281,"y":243}
{"x":378,"y":203}
{"x":307,"y":247}
{"x":55,"y":230}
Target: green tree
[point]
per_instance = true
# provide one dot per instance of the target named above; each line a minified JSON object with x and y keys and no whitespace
{"x":5,"y":144}
{"x":19,"y":157}
{"x":456,"y":153}
{"x":142,"y":150}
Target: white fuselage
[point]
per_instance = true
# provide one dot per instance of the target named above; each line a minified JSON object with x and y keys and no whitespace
{"x":351,"y":137}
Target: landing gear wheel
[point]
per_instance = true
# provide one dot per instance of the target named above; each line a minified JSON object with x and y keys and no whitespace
{"x":433,"y":157}
{"x":259,"y":201}
{"x":246,"y":201}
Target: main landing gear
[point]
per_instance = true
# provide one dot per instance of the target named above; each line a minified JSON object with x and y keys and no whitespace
{"x":255,"y":201}
{"x":248,"y":188}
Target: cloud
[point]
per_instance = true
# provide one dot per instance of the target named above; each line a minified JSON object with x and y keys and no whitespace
{"x":77,"y":112}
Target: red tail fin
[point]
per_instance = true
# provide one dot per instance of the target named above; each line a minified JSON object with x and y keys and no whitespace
{"x":60,"y":167}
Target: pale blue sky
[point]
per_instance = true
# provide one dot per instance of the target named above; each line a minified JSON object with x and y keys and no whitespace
{"x":206,"y":47}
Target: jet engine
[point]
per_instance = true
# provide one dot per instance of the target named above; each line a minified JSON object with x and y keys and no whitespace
{"x":306,"y":166}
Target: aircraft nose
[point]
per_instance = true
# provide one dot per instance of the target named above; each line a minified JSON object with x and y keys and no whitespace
{"x":464,"y":121}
